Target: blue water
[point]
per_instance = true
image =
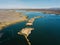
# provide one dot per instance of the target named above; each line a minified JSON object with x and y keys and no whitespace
{"x":46,"y":31}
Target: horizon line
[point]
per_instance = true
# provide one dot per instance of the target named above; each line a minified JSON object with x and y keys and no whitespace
{"x":31,"y":8}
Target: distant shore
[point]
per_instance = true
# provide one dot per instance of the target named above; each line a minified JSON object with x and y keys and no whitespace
{"x":46,"y":11}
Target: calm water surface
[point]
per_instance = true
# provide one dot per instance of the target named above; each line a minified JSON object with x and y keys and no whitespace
{"x":46,"y":32}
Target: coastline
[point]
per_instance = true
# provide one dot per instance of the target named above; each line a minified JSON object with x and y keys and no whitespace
{"x":10,"y":17}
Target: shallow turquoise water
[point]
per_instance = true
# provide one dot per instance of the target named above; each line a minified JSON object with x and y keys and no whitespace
{"x":46,"y":32}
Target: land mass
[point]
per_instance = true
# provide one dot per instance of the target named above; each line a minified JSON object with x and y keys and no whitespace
{"x":48,"y":11}
{"x":26,"y":31}
{"x":30,"y":21}
{"x":8,"y":17}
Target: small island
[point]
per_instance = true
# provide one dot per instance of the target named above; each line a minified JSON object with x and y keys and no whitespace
{"x":30,"y":21}
{"x":25,"y":32}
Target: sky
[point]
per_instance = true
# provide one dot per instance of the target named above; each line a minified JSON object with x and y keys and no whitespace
{"x":5,"y":4}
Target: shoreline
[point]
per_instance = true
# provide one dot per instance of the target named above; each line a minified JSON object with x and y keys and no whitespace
{"x":5,"y":24}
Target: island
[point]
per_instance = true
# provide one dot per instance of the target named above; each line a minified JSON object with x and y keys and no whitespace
{"x":27,"y":31}
{"x":30,"y":21}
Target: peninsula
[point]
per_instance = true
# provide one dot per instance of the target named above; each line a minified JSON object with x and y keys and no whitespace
{"x":27,"y":31}
{"x":8,"y":17}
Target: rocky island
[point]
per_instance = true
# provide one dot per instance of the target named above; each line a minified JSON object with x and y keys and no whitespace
{"x":30,"y":21}
{"x":27,"y":31}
